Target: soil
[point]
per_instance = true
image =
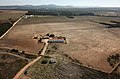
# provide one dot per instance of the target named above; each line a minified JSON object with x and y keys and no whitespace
{"x":10,"y":65}
{"x":64,"y":67}
{"x":90,"y":43}
{"x":21,"y":38}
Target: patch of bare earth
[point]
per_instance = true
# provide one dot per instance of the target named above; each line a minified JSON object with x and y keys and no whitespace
{"x":88,"y":42}
{"x":63,"y":67}
{"x":21,"y":37}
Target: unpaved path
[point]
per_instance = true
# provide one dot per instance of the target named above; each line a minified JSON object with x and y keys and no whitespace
{"x":11,"y":28}
{"x":31,"y":63}
{"x":16,"y":55}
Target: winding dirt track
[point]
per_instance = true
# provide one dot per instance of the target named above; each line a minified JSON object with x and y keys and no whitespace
{"x":31,"y":63}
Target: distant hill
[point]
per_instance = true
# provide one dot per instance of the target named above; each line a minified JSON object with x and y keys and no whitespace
{"x":51,"y":6}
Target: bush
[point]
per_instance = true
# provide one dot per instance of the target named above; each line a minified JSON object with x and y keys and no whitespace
{"x":14,"y":50}
{"x":113,"y":59}
{"x":44,"y":61}
{"x":4,"y":27}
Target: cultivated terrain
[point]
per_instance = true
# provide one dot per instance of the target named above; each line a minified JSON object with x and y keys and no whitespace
{"x":89,"y":43}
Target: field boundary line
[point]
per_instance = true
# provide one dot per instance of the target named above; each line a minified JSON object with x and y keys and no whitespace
{"x":10,"y":28}
{"x":15,"y":55}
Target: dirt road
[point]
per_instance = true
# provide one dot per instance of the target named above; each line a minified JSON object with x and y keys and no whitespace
{"x":16,"y":56}
{"x":11,"y":28}
{"x":31,"y":63}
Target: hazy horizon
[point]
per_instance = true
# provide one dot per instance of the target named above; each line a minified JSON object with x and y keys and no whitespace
{"x":76,"y":3}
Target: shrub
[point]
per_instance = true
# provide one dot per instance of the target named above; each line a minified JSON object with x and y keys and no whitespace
{"x":14,"y":50}
{"x":44,"y":61}
{"x":113,"y":59}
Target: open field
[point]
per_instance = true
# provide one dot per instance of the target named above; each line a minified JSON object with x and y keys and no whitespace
{"x":21,"y":38}
{"x":12,"y":11}
{"x":55,"y":19}
{"x":10,"y":65}
{"x":6,"y":14}
{"x":88,"y":42}
{"x":63,"y":67}
{"x":8,"y":18}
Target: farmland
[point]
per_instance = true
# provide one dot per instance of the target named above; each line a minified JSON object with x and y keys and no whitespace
{"x":8,"y":18}
{"x":63,"y":67}
{"x":87,"y":41}
{"x":6,"y":14}
{"x":10,"y":64}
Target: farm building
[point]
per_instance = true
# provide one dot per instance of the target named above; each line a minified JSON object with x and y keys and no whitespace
{"x":56,"y":41}
{"x":51,"y":38}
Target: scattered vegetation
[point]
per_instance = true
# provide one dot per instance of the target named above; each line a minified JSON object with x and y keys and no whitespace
{"x":19,"y":53}
{"x":44,"y":61}
{"x":4,"y":27}
{"x":53,"y":48}
{"x":4,"y":50}
{"x":10,"y":65}
{"x":23,"y":54}
{"x":14,"y":50}
{"x":7,"y":19}
{"x":113,"y":59}
{"x":109,"y":25}
{"x":59,"y":13}
{"x":63,"y":68}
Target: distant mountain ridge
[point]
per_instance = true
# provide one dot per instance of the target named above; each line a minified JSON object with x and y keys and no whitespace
{"x":50,"y":6}
{"x":59,"y":7}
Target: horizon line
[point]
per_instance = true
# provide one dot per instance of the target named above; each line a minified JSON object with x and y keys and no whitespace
{"x":65,"y":5}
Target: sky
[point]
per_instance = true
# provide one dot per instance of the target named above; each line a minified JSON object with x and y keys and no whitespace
{"x":78,"y":3}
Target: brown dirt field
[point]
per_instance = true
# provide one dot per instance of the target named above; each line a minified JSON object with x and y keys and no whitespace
{"x":12,"y":11}
{"x":20,"y":37}
{"x":88,"y":42}
{"x":6,"y":14}
{"x":64,"y":67}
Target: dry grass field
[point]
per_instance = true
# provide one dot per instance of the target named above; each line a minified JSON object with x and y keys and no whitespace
{"x":6,"y":14}
{"x":19,"y":40}
{"x":64,"y":67}
{"x":20,"y":37}
{"x":88,"y":42}
{"x":10,"y":65}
